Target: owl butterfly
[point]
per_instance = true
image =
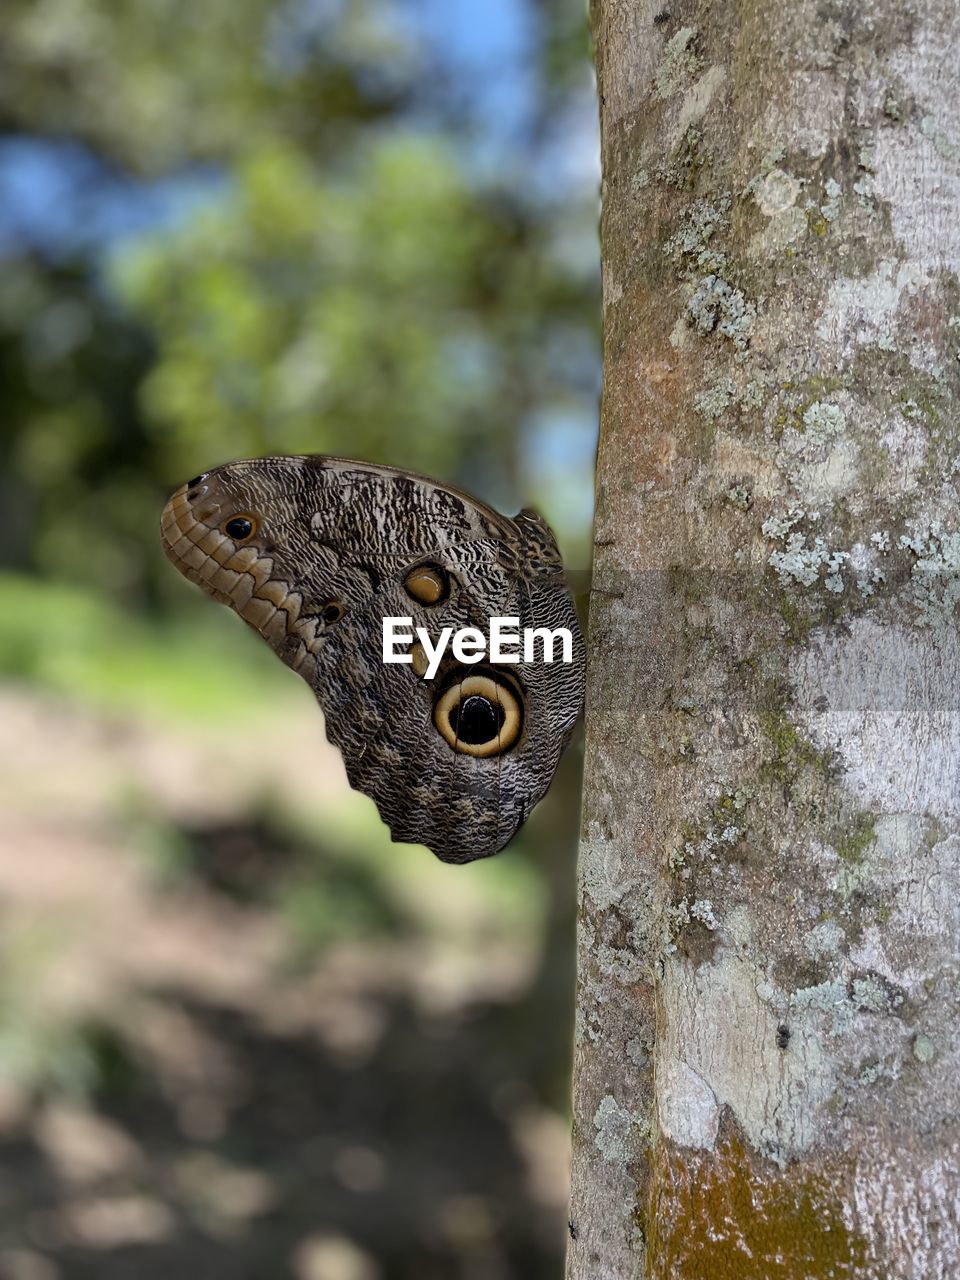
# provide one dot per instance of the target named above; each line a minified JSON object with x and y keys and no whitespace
{"x":314,"y":552}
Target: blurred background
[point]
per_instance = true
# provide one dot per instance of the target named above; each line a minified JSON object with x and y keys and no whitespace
{"x":242,"y":1035}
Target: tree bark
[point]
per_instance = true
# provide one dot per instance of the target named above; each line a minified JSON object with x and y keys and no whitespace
{"x":767,"y":1080}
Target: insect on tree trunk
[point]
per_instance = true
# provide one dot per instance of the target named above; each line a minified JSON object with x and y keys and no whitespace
{"x":767,"y":1061}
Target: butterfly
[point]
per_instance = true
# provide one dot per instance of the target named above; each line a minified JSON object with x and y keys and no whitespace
{"x":316,"y":552}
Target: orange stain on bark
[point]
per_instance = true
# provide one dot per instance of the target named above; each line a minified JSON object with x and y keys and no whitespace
{"x":728,"y":1215}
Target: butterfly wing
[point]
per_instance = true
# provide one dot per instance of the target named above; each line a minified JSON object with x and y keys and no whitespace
{"x":315,"y":552}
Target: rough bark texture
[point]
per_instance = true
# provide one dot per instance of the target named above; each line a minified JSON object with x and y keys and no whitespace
{"x":768,"y":1075}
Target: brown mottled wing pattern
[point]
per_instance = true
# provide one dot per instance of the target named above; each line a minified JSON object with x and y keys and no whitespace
{"x":330,"y":544}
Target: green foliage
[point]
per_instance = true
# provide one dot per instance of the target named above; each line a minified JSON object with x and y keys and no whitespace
{"x":153,"y":84}
{"x":385,"y":309}
{"x":314,"y":314}
{"x":79,"y":1059}
{"x":73,"y":642}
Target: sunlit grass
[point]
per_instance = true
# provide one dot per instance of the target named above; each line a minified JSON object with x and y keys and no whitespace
{"x":81,"y":645}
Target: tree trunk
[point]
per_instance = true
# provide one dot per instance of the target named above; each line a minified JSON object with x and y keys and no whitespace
{"x":767,"y":1081}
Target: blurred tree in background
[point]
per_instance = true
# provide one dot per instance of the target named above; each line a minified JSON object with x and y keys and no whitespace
{"x":363,"y":227}
{"x":251,"y":226}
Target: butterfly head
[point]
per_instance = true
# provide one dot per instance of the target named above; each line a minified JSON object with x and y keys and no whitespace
{"x":227,"y":531}
{"x":209,"y":530}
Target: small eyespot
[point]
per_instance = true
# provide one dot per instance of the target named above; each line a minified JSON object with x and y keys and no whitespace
{"x":240,"y":528}
{"x":332,"y":612}
{"x":427,"y":583}
{"x":478,"y":715}
{"x":192,"y":484}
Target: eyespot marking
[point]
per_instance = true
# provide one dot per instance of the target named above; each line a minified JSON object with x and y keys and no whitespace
{"x":479,"y":714}
{"x":427,"y":583}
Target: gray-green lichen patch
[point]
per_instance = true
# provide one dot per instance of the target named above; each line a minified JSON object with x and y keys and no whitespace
{"x":740,"y":495}
{"x":867,"y":159}
{"x":754,"y":394}
{"x":638,"y":1051}
{"x":934,"y":588}
{"x":824,"y":939}
{"x":617,"y":1130}
{"x":699,"y":223}
{"x":923,"y":1049}
{"x":829,"y":999}
{"x":831,"y":205}
{"x":606,"y":872}
{"x":894,"y":107}
{"x":804,"y":559}
{"x":717,"y":306}
{"x":720,"y":836}
{"x":865,"y":191}
{"x":943,"y":143}
{"x":878,"y":1071}
{"x":819,"y":455}
{"x":822,"y":423}
{"x":621,"y":965}
{"x":680,"y":165}
{"x":868,"y":576}
{"x":680,"y":61}
{"x":716,"y":400}
{"x":702,"y":910}
{"x":870,"y":994}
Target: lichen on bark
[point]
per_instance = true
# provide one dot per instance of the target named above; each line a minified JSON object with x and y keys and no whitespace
{"x":774,"y":619}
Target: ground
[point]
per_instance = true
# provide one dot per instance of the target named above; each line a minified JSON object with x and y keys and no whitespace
{"x":243,"y":1038}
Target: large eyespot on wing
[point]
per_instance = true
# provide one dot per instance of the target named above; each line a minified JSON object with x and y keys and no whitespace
{"x":479,"y":713}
